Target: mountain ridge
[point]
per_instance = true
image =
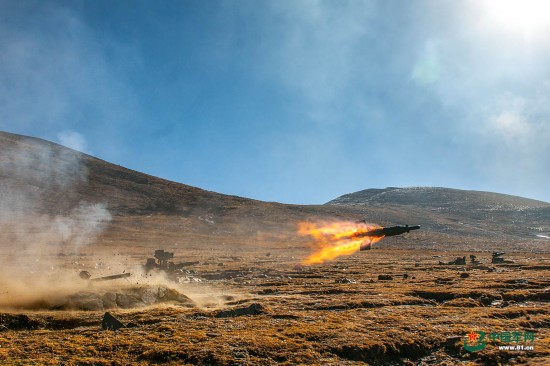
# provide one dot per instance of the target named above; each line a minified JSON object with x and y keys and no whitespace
{"x":38,"y":177}
{"x":388,"y":195}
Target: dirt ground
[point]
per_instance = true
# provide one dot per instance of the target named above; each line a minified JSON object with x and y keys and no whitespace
{"x":265,"y":308}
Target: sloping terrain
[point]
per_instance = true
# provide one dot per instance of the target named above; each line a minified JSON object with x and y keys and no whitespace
{"x":40,"y":177}
{"x":42,"y":182}
{"x":124,"y":208}
{"x":44,"y":167}
{"x":490,"y":220}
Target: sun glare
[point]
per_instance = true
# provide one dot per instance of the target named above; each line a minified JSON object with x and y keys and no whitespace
{"x":523,"y":15}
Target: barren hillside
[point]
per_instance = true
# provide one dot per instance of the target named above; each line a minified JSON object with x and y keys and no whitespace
{"x":41,"y":178}
{"x":476,"y":217}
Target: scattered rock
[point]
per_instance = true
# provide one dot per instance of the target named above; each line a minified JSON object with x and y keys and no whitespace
{"x":464,"y":275}
{"x":500,"y":303}
{"x":149,"y":295}
{"x":109,"y":300}
{"x":110,"y":322}
{"x":171,"y":295}
{"x":457,"y":261}
{"x":485,"y":300}
{"x":453,"y":345}
{"x":128,"y":302}
{"x":188,"y":279}
{"x":344,"y":280}
{"x":253,"y":309}
{"x":385,"y":277}
{"x":267,"y":291}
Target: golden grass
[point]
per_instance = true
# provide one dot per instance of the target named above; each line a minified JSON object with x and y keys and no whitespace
{"x":337,"y":313}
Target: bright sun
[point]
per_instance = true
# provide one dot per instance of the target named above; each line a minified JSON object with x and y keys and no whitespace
{"x":524,"y":15}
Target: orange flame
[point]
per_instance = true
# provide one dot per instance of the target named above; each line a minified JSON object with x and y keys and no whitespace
{"x":334,"y":239}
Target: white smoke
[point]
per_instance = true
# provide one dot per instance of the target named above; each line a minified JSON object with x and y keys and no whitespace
{"x":73,"y":140}
{"x":41,"y":214}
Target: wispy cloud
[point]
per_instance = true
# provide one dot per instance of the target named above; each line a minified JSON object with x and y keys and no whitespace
{"x":314,"y":48}
{"x":344,"y":84}
{"x":55,"y":74}
{"x":513,"y":149}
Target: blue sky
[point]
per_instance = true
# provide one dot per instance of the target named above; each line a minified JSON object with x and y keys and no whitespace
{"x":290,"y":101}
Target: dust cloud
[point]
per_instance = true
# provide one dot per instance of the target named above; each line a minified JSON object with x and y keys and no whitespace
{"x":41,"y":219}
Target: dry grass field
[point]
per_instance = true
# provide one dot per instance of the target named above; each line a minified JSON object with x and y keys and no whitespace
{"x":248,"y":298}
{"x":335,"y":313}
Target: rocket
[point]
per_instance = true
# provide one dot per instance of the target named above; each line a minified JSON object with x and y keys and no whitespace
{"x":382,"y":232}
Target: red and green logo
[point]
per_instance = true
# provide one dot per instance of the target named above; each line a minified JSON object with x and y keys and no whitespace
{"x":475,"y":341}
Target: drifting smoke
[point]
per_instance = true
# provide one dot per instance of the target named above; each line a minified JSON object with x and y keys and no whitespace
{"x":41,"y":216}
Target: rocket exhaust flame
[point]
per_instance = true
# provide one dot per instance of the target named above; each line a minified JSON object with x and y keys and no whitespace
{"x":335,"y":239}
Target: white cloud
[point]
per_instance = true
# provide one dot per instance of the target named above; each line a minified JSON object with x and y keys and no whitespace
{"x":511,"y":148}
{"x":511,"y":126}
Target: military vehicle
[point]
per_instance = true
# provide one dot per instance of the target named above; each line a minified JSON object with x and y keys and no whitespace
{"x":162,"y":262}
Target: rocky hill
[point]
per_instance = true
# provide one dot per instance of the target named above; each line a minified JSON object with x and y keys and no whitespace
{"x":471,"y":215}
{"x":50,"y":193}
{"x":57,"y":178}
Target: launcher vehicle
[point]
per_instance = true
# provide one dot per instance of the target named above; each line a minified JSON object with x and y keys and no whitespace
{"x":163,"y":262}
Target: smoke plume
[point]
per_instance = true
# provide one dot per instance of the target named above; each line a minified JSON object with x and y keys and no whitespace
{"x":41,"y":216}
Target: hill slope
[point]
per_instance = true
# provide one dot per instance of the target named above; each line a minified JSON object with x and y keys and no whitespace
{"x":458,"y":213}
{"x":51,"y":194}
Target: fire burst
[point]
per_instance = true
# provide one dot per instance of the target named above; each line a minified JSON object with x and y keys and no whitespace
{"x":333,"y":239}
